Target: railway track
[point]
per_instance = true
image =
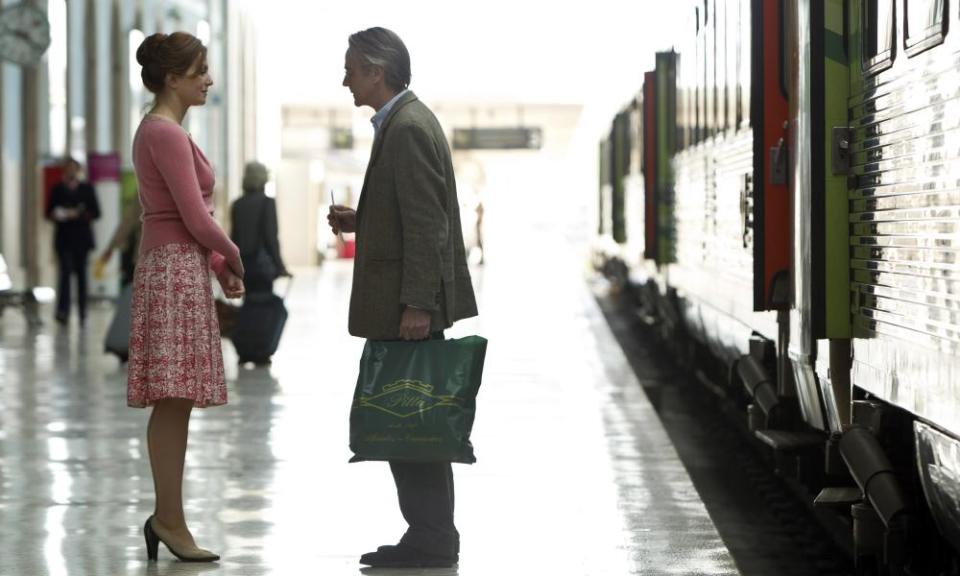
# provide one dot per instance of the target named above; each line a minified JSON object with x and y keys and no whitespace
{"x":765,"y":520}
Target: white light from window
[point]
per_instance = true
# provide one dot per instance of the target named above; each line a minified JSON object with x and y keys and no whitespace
{"x":203,"y":32}
{"x":57,"y":74}
{"x":135,"y":38}
{"x":318,"y":171}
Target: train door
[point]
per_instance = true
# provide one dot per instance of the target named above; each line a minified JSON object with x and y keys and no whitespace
{"x":650,"y":166}
{"x":767,"y":189}
{"x":819,"y":315}
{"x":659,"y":143}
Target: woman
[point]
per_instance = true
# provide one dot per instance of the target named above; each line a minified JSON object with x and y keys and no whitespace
{"x":73,"y":206}
{"x":175,"y":357}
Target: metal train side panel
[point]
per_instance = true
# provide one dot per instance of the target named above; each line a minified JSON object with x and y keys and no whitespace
{"x":905,"y":216}
{"x":714,"y":265}
{"x":715,"y":215}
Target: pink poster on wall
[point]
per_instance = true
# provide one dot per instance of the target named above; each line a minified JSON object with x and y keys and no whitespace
{"x":103,"y":167}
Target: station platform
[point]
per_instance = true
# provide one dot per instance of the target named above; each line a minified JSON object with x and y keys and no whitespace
{"x":575,"y":474}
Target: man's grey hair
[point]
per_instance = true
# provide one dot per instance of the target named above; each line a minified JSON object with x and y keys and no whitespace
{"x":383,"y":48}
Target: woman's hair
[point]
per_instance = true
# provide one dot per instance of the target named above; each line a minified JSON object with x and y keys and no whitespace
{"x":161,"y":54}
{"x":383,"y":48}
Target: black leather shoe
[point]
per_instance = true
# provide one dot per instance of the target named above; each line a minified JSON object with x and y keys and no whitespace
{"x":401,"y":556}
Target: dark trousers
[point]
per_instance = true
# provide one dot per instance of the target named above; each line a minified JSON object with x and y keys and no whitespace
{"x":425,"y":491}
{"x":73,"y":262}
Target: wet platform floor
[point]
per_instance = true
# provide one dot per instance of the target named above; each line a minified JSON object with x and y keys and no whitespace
{"x":575,"y":474}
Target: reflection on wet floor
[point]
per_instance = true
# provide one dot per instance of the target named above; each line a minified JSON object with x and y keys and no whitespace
{"x":575,"y":473}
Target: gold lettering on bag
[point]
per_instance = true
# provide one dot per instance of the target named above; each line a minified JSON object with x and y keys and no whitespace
{"x":405,"y":398}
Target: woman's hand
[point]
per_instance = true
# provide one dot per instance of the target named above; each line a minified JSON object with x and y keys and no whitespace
{"x":235,"y":267}
{"x":232,"y":284}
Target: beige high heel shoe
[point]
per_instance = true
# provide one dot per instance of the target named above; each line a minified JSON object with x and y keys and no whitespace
{"x":154,"y":537}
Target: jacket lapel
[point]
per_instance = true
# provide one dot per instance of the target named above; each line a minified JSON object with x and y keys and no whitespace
{"x":378,"y":141}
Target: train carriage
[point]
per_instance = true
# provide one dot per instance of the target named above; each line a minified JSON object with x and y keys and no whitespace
{"x":796,"y":211}
{"x":730,"y":209}
{"x":904,"y":226}
{"x":715,"y":218}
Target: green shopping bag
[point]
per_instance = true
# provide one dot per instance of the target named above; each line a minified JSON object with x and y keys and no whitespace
{"x":415,"y":401}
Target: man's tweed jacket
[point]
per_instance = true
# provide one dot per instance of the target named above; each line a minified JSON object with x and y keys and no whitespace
{"x":409,"y":241}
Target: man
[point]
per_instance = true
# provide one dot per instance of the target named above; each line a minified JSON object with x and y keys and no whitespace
{"x":73,"y":206}
{"x":410,"y":277}
{"x":254,"y":230}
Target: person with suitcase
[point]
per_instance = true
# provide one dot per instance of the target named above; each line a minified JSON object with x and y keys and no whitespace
{"x":254,"y":229}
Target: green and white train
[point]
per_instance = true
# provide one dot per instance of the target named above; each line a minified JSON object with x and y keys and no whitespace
{"x":784,"y":194}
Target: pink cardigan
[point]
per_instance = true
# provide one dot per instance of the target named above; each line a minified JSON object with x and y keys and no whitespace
{"x":175,"y":182}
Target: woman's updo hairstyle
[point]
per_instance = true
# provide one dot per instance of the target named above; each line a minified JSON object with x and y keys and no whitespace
{"x":161,"y":54}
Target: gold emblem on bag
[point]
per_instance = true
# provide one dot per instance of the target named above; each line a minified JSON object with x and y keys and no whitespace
{"x":405,"y":398}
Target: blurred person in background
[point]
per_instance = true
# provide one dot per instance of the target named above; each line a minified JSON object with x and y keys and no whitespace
{"x":410,"y":276}
{"x":254,"y":230}
{"x":175,"y":358}
{"x":73,"y":206}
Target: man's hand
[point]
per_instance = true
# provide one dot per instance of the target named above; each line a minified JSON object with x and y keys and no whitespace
{"x":414,"y":324}
{"x":232,"y":284}
{"x":342,"y":219}
{"x":61,"y":214}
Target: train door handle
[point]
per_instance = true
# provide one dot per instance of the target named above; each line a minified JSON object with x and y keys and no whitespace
{"x":841,"y":137}
{"x":746,"y":211}
{"x":778,"y":163}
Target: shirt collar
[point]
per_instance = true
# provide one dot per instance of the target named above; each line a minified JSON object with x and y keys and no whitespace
{"x":382,"y":113}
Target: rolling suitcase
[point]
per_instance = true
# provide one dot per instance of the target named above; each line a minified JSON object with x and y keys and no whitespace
{"x":259,"y":326}
{"x":118,"y":336}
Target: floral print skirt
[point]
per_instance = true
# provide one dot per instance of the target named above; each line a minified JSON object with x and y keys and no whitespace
{"x":174,"y":334}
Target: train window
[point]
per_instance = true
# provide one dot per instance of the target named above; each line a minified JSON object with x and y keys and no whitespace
{"x":733,"y":63}
{"x":699,"y":85}
{"x":878,"y":34}
{"x":710,"y":81}
{"x":720,"y":44}
{"x":784,"y":50}
{"x":681,"y":103}
{"x":745,"y":62}
{"x":925,"y":24}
